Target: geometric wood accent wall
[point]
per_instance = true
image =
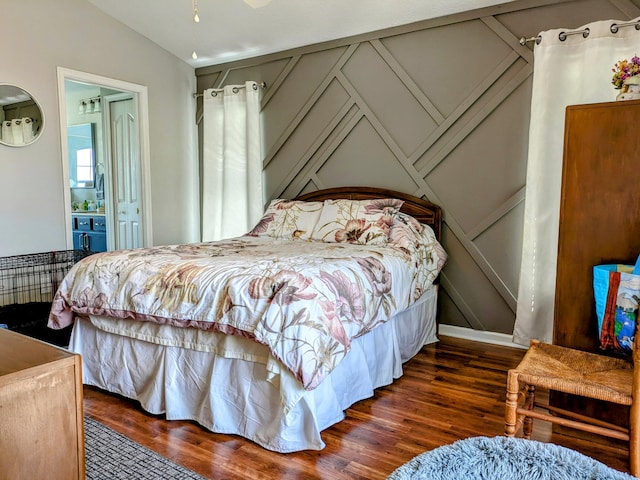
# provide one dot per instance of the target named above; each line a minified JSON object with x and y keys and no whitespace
{"x":438,"y":109}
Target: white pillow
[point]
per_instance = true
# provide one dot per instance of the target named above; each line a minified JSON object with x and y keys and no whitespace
{"x":288,"y":219}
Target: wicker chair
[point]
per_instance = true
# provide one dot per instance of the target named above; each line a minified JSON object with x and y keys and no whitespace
{"x":579,"y":373}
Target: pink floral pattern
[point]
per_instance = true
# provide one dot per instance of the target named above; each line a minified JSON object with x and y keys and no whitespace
{"x":379,"y":277}
{"x":304,"y":300}
{"x":363,"y":222}
{"x":283,"y":288}
{"x":352,"y":231}
{"x":419,"y":244}
{"x":347,"y":297}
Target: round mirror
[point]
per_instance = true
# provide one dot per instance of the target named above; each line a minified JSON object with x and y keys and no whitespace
{"x":21,"y":116}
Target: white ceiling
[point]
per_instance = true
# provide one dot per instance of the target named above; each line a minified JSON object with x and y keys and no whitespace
{"x":11,"y":94}
{"x":232,"y":30}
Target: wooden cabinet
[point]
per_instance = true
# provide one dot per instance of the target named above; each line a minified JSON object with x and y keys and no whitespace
{"x":89,"y":232}
{"x":599,"y":220}
{"x":41,"y":414}
{"x":599,"y":210}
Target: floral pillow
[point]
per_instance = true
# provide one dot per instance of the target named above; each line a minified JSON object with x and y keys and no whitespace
{"x":363,"y":222}
{"x":406,"y":233}
{"x":417,"y":241}
{"x":288,"y":219}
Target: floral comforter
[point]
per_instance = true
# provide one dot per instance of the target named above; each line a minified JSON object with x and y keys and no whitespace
{"x":304,"y":300}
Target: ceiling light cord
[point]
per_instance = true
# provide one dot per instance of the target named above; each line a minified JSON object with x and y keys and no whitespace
{"x":196,"y":17}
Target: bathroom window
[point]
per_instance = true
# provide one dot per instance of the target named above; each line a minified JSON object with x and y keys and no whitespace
{"x":84,"y":166}
{"x":81,"y":140}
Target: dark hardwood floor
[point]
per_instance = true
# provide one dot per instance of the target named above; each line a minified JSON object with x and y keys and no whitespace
{"x":451,"y":390}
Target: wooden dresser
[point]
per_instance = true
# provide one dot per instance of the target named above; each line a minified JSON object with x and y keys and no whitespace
{"x":599,"y":223}
{"x":41,"y":413}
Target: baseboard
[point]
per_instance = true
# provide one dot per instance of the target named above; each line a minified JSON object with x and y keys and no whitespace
{"x":479,"y":336}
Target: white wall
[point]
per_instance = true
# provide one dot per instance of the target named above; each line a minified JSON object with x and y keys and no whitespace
{"x":44,"y":34}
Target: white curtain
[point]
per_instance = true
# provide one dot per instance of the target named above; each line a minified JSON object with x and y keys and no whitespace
{"x":574,"y":71}
{"x":232,"y":198}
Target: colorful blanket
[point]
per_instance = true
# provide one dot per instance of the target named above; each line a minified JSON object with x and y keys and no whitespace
{"x":304,"y":300}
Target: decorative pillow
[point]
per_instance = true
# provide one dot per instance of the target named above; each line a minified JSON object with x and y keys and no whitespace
{"x":288,"y":219}
{"x":364,"y":222}
{"x":416,"y":240}
{"x":405,"y":233}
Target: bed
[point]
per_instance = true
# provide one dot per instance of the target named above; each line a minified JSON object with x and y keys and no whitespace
{"x":271,"y":335}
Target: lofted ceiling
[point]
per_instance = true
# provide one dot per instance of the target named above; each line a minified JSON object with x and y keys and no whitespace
{"x":232,"y":30}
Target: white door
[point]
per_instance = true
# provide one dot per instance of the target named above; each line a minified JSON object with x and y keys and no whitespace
{"x":126,"y":174}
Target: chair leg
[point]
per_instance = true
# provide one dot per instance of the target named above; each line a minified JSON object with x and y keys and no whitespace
{"x":511,"y":404}
{"x":530,"y":400}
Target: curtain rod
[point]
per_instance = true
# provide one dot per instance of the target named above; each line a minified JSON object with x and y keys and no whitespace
{"x":235,"y":89}
{"x":562,"y":36}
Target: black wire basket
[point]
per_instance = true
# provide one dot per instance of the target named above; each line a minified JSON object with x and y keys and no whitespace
{"x":28,"y":284}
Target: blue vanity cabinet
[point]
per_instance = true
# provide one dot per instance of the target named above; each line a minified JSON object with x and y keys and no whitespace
{"x":78,"y":240}
{"x":98,"y":235}
{"x":89,"y":232}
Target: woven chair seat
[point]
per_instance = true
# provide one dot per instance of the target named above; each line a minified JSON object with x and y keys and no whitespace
{"x":577,"y":372}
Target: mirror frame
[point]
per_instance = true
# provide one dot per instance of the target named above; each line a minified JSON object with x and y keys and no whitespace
{"x":13,"y":95}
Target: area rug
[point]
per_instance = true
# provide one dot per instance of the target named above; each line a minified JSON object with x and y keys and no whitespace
{"x":504,"y":458}
{"x":112,"y":456}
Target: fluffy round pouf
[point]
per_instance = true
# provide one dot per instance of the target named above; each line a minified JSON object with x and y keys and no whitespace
{"x":504,"y":458}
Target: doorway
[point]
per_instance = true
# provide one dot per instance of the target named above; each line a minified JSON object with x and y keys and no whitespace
{"x":121,"y":169}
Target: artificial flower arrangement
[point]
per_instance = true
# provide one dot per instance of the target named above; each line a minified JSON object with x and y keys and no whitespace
{"x":625,"y":69}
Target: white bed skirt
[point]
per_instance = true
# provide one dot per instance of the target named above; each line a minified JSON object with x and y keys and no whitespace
{"x":233,"y":396}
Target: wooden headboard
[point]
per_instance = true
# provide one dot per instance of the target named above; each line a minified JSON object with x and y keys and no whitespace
{"x":423,"y":210}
